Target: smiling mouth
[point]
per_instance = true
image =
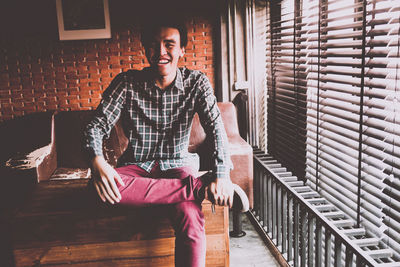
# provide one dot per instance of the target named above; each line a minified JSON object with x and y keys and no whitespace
{"x":162,"y":61}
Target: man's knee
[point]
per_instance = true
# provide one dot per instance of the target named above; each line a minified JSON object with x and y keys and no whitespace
{"x":187,"y":218}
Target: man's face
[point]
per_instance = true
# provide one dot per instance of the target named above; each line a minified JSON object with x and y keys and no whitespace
{"x":164,"y":51}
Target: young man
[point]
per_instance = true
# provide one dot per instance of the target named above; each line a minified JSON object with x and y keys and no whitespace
{"x":157,"y":105}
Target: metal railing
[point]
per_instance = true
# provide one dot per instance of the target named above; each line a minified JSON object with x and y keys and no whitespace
{"x":304,"y":227}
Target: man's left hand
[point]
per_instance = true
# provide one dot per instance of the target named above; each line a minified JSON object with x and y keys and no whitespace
{"x":222,"y":192}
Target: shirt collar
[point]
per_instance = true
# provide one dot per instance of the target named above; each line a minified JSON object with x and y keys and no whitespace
{"x":179,"y":80}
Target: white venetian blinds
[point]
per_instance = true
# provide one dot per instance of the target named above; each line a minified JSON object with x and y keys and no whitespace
{"x":334,"y":69}
{"x":287,"y":91}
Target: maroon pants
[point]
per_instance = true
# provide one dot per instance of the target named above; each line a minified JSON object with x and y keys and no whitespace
{"x":180,"y":190}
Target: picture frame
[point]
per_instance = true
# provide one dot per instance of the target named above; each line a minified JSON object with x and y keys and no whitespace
{"x":83,"y":19}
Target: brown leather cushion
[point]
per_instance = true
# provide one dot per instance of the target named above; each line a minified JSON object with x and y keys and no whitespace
{"x":229,"y":118}
{"x":197,"y":135}
{"x":69,"y":126}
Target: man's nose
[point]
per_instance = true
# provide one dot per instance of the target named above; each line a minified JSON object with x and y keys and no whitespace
{"x":163,"y":49}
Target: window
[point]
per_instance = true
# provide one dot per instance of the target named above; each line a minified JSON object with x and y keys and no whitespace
{"x":333,"y":80}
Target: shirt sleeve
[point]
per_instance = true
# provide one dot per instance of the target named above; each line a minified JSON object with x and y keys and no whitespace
{"x":106,"y":115}
{"x":211,"y":120}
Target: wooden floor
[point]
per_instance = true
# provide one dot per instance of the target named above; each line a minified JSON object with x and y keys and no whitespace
{"x":250,"y":250}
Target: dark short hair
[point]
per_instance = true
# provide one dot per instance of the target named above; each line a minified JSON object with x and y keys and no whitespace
{"x":150,"y":28}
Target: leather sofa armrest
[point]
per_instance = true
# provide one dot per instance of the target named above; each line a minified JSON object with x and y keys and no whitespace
{"x":238,"y":146}
{"x":242,"y":159}
{"x":46,"y":163}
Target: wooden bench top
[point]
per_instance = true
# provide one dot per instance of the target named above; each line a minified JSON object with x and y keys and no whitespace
{"x":63,"y":222}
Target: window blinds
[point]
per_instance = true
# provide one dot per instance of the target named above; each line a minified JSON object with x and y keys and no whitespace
{"x":287,"y":92}
{"x":334,"y":92}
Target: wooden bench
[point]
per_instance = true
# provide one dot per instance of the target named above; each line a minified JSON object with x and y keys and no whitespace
{"x":63,"y":224}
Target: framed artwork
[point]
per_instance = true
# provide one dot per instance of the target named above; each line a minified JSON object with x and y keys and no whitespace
{"x":83,"y":19}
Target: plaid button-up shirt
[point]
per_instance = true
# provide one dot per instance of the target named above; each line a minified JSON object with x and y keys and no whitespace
{"x":158,"y":122}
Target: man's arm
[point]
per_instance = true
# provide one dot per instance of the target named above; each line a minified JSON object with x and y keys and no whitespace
{"x":107,"y":114}
{"x":211,"y":120}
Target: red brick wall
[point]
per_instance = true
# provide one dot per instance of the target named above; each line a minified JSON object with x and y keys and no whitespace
{"x":40,"y":73}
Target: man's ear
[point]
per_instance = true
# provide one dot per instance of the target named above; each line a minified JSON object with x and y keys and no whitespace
{"x":182,"y":52}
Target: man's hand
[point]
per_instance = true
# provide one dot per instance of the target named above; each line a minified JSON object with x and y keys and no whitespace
{"x":104,"y":180}
{"x":222,"y":192}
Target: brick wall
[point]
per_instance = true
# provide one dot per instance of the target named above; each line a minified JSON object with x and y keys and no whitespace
{"x":40,"y":73}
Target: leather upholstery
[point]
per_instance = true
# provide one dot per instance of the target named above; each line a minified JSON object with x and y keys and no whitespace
{"x":69,"y":153}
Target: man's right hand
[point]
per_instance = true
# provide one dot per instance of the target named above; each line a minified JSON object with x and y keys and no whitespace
{"x":104,"y":180}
